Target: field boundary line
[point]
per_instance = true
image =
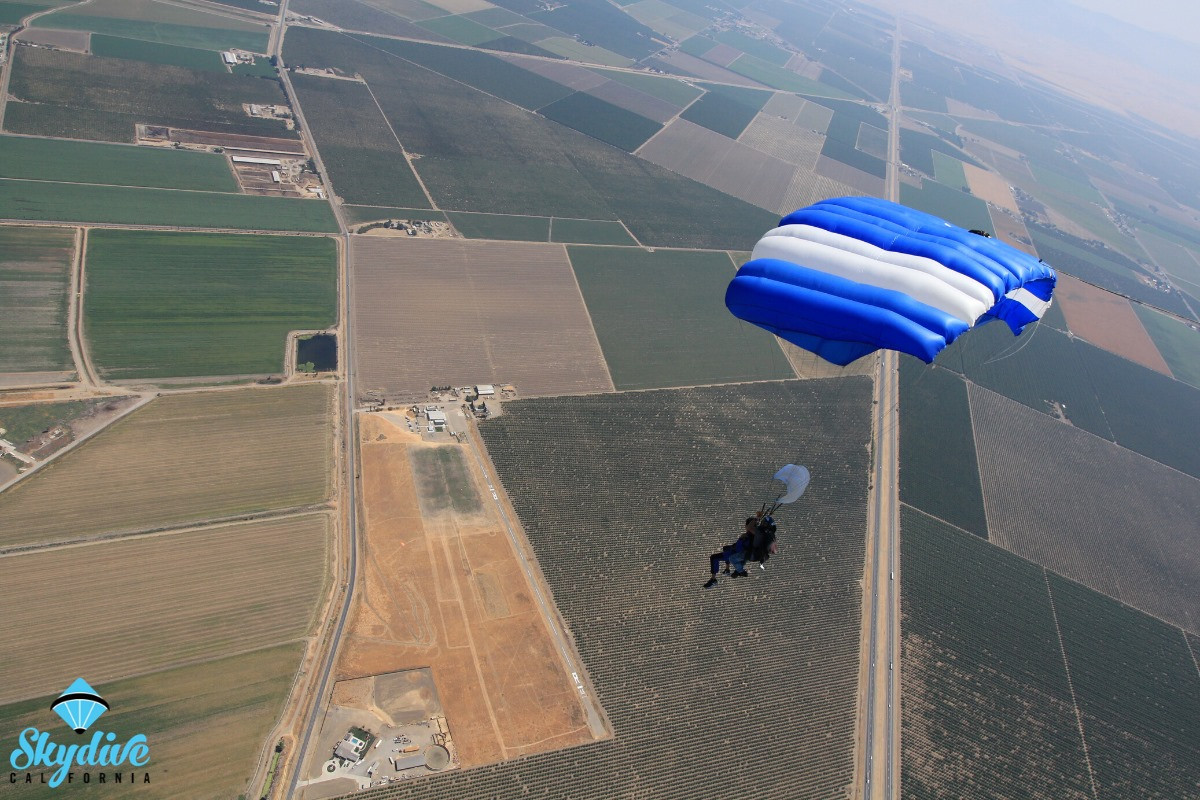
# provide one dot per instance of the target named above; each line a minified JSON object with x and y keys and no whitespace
{"x":587,"y":312}
{"x":1087,"y":759}
{"x":407,"y":158}
{"x":167,"y":530}
{"x":74,"y":300}
{"x":1188,"y":644}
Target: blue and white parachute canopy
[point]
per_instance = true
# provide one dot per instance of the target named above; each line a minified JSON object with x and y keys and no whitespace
{"x":851,"y":275}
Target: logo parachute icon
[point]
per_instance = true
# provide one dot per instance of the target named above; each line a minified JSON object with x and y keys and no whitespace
{"x":79,"y":706}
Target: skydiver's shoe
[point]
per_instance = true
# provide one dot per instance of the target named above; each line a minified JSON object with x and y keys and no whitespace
{"x":741,"y":573}
{"x":763,"y":567}
{"x":711,"y":582}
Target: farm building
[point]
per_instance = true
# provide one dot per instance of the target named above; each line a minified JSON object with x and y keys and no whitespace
{"x":229,"y":58}
{"x":265,"y":162}
{"x":437,"y":417}
{"x":354,"y":745}
{"x":485,"y":390}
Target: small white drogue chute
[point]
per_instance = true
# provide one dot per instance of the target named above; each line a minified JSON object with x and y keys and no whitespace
{"x":795,"y":480}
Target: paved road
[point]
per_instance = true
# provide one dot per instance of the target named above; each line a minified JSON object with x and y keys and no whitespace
{"x":881,"y":761}
{"x":319,"y":695}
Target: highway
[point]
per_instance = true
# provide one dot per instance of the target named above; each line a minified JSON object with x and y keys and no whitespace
{"x":315,"y":698}
{"x":881,"y":660}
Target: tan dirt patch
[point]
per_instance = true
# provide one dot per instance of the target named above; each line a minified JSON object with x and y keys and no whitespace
{"x":1011,"y":230}
{"x":990,"y":187}
{"x":446,"y":591}
{"x":79,"y":41}
{"x":1107,"y":321}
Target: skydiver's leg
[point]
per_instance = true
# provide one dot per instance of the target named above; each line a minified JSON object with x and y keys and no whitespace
{"x":715,"y":561}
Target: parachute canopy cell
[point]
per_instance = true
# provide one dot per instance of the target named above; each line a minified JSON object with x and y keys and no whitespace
{"x":851,"y":275}
{"x":794,"y":480}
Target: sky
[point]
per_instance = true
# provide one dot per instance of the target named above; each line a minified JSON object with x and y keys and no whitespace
{"x":1178,"y":18}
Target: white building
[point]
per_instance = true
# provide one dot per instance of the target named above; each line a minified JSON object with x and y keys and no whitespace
{"x":485,"y":390}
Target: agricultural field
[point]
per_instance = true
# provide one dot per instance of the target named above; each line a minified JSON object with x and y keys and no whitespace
{"x":703,"y":455}
{"x":179,"y":460}
{"x":661,"y":320}
{"x":948,"y":203}
{"x":506,"y":227}
{"x":1146,"y":411}
{"x":436,"y":312}
{"x":669,"y":90}
{"x":217,"y":712}
{"x":196,"y":594}
{"x":364,"y":160}
{"x":35,"y":266}
{"x":1138,"y":689}
{"x":939,"y":473}
{"x":785,"y":140}
{"x":1108,"y":321}
{"x":74,"y":96}
{"x":1041,"y":369}
{"x":114,"y":165}
{"x":726,"y":111}
{"x":722,"y":163}
{"x":602,"y":120}
{"x":589,"y":231}
{"x":527,"y":162}
{"x":987,"y":708}
{"x":154,"y":21}
{"x":124,"y":205}
{"x":155,"y":52}
{"x":1090,"y":510}
{"x":355,"y":15}
{"x":168,"y":305}
{"x":1178,"y":342}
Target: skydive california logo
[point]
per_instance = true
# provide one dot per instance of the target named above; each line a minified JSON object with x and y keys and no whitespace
{"x":79,"y":706}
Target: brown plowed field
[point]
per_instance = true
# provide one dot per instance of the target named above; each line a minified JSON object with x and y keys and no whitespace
{"x":1007,"y":229}
{"x":445,"y":590}
{"x":451,"y":312}
{"x":111,"y":609}
{"x":1107,"y":321}
{"x":179,"y":460}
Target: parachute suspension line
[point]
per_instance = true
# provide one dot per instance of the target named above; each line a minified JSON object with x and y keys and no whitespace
{"x":1020,"y":346}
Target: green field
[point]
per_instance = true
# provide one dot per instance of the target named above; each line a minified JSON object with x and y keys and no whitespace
{"x":155,"y":52}
{"x":722,"y":113}
{"x":261,"y":68}
{"x":166,"y":305}
{"x":65,"y":202}
{"x":588,"y":231}
{"x":112,"y":164}
{"x":501,"y":226}
{"x":164,"y":33}
{"x":957,"y":207}
{"x":661,"y":320}
{"x":193,"y":717}
{"x":1037,"y":369}
{"x":602,"y":120}
{"x":1147,"y":412}
{"x":485,"y":72}
{"x":671,"y":90}
{"x":1138,"y":691}
{"x":365,"y":163}
{"x":167,"y":23}
{"x":526,"y":162}
{"x":461,"y":29}
{"x":939,"y":473}
{"x":35,"y":268}
{"x":983,"y":672}
{"x":949,"y":172}
{"x":1178,"y":343}
{"x":86,"y":97}
{"x":755,"y":47}
{"x":1056,"y":182}
{"x":784,"y":79}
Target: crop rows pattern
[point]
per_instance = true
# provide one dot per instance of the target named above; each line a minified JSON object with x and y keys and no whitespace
{"x":744,"y":690}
